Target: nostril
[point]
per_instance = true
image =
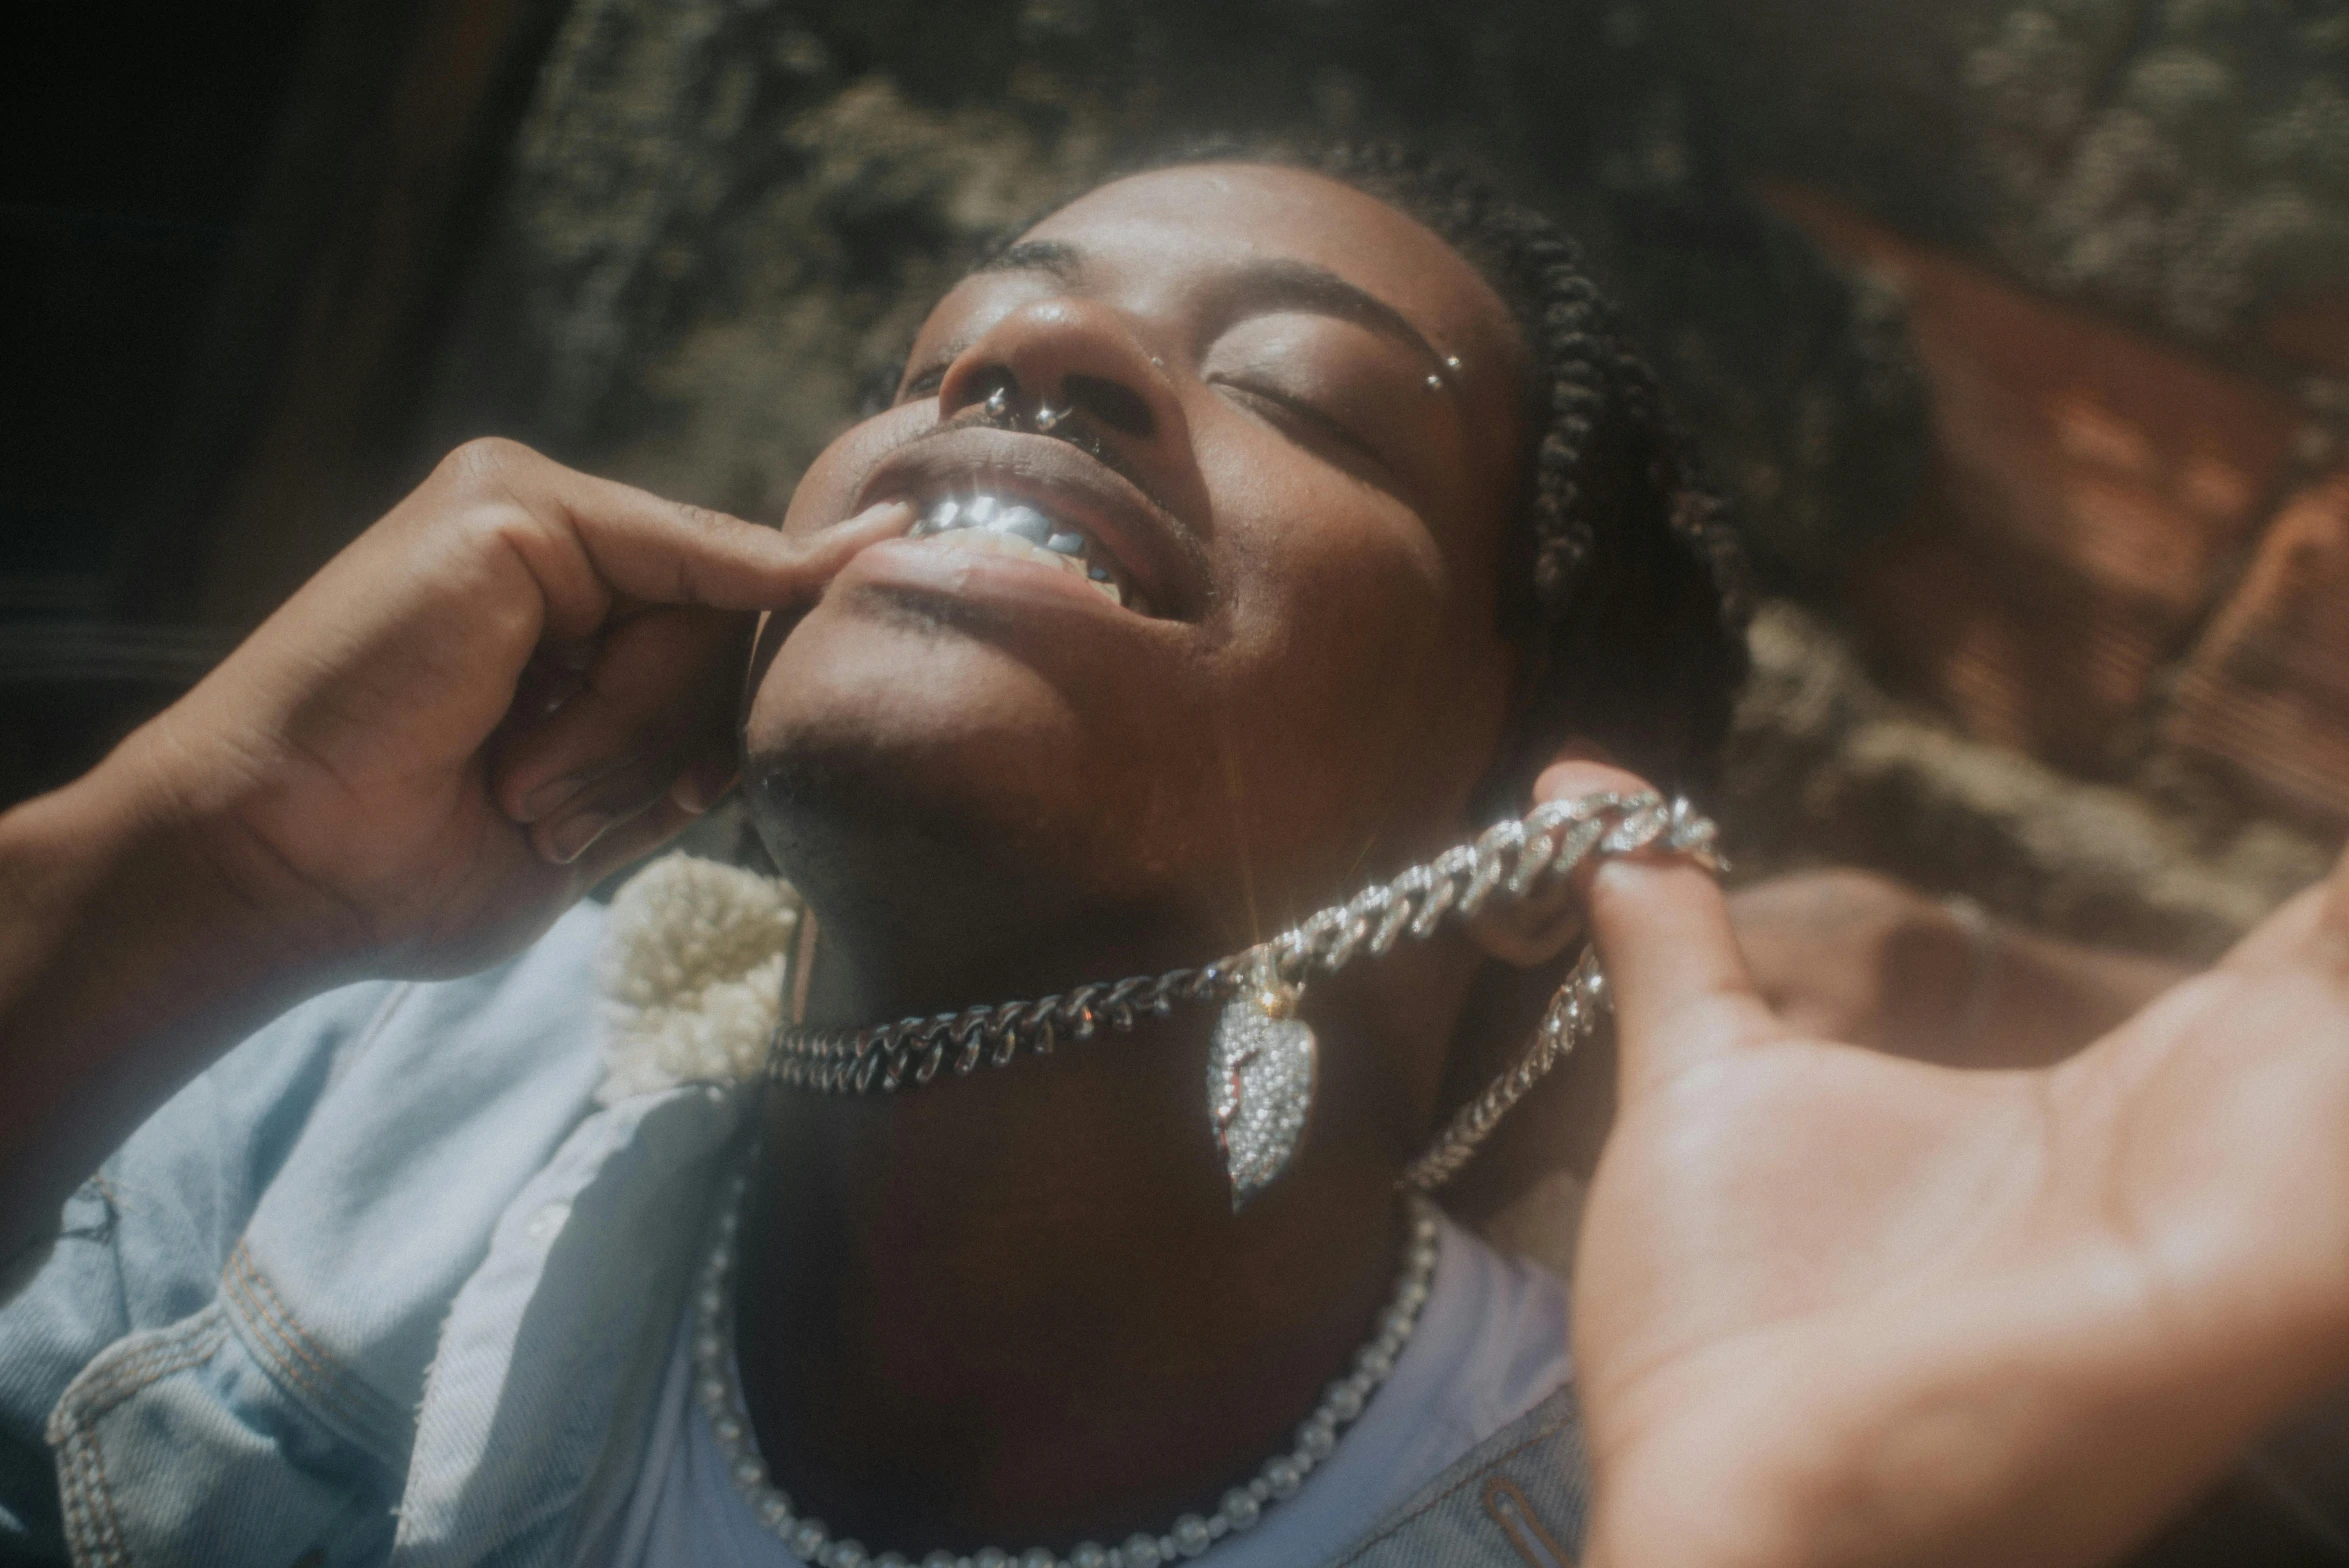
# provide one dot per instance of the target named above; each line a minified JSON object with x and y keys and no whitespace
{"x":1119,"y":407}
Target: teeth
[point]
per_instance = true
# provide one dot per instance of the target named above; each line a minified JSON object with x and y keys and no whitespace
{"x":1024,"y":521}
{"x":1012,"y":528}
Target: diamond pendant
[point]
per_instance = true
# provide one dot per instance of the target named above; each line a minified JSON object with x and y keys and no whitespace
{"x":1260,"y":1069}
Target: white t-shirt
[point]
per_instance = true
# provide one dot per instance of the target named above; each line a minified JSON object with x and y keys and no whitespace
{"x":1490,"y":1345}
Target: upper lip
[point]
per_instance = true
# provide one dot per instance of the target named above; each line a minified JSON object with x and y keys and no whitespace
{"x":1154,"y":550}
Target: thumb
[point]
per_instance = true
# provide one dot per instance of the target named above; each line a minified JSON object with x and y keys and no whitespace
{"x":1681,"y":990}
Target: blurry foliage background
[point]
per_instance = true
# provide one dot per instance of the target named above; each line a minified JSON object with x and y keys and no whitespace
{"x":2018,"y":332}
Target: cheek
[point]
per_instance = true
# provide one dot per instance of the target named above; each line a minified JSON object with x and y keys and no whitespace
{"x":1358,"y":650}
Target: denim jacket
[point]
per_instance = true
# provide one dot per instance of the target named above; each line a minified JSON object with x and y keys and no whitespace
{"x":396,"y":1280}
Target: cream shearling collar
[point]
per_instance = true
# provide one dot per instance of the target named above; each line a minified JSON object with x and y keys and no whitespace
{"x":690,"y":976}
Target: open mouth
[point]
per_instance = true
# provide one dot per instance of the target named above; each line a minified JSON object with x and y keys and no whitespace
{"x":1023,"y":531}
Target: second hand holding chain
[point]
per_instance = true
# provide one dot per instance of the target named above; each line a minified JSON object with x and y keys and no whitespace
{"x":1261,"y":1070}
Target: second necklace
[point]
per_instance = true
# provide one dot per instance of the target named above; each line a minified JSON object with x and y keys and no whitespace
{"x":1262,"y":1059}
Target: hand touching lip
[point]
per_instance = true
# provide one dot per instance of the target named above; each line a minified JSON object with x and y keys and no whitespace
{"x":988,"y":523}
{"x":1156,"y":556}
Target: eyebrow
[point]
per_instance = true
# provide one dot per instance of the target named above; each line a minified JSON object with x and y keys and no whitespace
{"x":1258,"y":286}
{"x":1063,"y":262}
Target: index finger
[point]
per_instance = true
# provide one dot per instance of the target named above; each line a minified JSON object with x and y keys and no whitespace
{"x":586,"y":541}
{"x":1681,"y":990}
{"x":671,"y":552}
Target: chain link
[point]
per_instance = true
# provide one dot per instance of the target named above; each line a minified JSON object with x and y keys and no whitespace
{"x":1510,"y":860}
{"x":1573,"y":1018}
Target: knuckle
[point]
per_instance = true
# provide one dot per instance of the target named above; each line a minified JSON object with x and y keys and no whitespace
{"x":486,"y":460}
{"x":488,"y":485}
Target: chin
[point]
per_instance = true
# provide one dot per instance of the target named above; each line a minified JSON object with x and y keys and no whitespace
{"x":896,"y":765}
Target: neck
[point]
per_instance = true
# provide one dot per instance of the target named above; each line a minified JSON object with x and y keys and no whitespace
{"x":1017,"y":1308}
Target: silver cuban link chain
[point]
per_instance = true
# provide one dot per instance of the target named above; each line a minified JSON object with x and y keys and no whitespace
{"x":1511,"y":860}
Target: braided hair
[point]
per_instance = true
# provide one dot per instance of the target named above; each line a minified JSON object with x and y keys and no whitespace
{"x":1621,"y":579}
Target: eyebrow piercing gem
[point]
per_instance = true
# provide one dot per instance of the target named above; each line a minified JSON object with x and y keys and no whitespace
{"x":1451,"y":362}
{"x":1435,"y":383}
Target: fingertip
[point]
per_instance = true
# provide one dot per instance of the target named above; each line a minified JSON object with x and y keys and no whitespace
{"x":564,"y":841}
{"x":1661,"y":925}
{"x":896,"y":512}
{"x":534,"y":803}
{"x":631,"y":841}
{"x":1571,"y":778}
{"x":796,"y":567}
{"x":702,"y":786}
{"x":882,"y":520}
{"x":1682,"y":988}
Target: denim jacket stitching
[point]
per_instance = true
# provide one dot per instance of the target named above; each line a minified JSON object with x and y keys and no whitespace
{"x":287,"y":1348}
{"x":92,"y":1527}
{"x":94,"y":1524}
{"x":1558,"y":1422}
{"x":1506,"y":1504}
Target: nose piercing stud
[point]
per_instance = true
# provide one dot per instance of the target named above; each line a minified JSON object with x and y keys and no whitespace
{"x":999,"y":411}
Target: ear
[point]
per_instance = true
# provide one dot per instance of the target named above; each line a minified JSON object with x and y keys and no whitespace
{"x":1530,"y":932}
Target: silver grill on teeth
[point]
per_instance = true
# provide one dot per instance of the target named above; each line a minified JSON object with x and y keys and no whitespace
{"x":1015,"y":520}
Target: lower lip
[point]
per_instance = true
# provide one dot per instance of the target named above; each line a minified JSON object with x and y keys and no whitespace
{"x":942,"y":571}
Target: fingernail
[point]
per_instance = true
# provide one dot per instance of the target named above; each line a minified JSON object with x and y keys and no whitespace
{"x":879,"y":510}
{"x":547,"y":799}
{"x":571,"y":840}
{"x":687,"y":793}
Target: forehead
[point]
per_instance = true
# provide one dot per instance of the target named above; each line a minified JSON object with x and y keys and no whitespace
{"x":1171,"y":227}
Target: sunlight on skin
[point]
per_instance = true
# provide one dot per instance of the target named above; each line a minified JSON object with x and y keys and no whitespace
{"x":1831,"y":1307}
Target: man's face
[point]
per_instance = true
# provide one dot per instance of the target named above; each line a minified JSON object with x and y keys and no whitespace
{"x":1292,"y":437}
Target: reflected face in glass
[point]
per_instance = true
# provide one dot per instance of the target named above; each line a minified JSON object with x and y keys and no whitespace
{"x":1207,"y":478}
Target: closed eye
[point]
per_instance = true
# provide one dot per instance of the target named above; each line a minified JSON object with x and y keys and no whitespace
{"x":1313,"y":428}
{"x":925,"y":384}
